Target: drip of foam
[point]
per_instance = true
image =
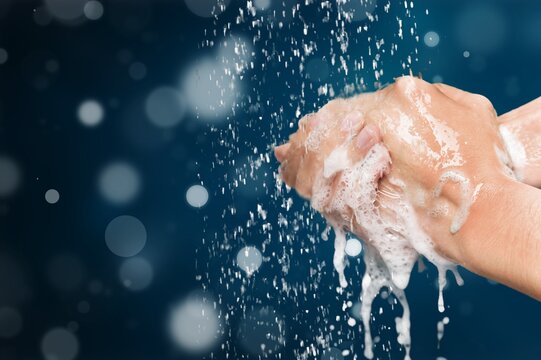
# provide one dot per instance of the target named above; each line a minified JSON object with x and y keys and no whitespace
{"x":394,"y":242}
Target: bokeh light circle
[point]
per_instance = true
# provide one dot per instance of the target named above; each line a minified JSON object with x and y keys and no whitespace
{"x":66,"y":10}
{"x":119,"y":183}
{"x":11,"y":322}
{"x":210,"y":92}
{"x":165,"y":107}
{"x":10,"y":176}
{"x":125,"y":236}
{"x":137,"y":71}
{"x":207,"y":8}
{"x":262,"y":4}
{"x":93,"y":10}
{"x":431,"y":39}
{"x":353,"y":247}
{"x":197,"y":196}
{"x":194,"y":325}
{"x":249,"y":259}
{"x":52,"y":196}
{"x":90,"y":113}
{"x":136,"y":274}
{"x":59,"y":344}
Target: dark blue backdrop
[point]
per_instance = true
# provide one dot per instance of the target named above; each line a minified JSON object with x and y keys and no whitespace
{"x":56,"y":270}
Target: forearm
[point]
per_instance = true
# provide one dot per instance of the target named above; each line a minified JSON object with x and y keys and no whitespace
{"x":523,"y":126}
{"x":502,"y":239}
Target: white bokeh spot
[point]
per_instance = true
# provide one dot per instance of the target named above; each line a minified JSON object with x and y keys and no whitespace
{"x":136,"y":273}
{"x":125,"y":236}
{"x":197,"y":196}
{"x":119,"y":183}
{"x":353,"y":247}
{"x":249,"y":259}
{"x":165,"y":107}
{"x":194,"y":325}
{"x":52,"y":196}
{"x":59,"y":344}
{"x":90,"y":113}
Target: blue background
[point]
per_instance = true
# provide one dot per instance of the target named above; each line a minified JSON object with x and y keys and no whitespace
{"x":195,"y":249}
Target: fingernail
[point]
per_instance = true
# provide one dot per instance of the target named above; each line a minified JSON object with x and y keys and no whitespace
{"x":368,"y":136}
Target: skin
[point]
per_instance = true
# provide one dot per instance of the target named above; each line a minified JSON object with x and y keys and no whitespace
{"x":409,"y":118}
{"x":525,"y":124}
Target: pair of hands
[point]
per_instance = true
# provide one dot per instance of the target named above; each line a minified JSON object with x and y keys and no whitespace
{"x":429,"y":129}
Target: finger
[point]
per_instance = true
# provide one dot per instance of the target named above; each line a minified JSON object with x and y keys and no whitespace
{"x":369,"y":136}
{"x":280,"y":152}
{"x":465,"y":98}
{"x":352,"y":123}
{"x":527,"y":112}
{"x":453,"y":93}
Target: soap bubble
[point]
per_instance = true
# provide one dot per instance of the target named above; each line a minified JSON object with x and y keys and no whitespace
{"x":353,"y":247}
{"x":262,"y":332}
{"x":3,"y":56}
{"x":197,"y":196}
{"x":249,"y":259}
{"x":10,"y":176}
{"x":90,"y":113}
{"x":52,"y":196}
{"x":207,"y":8}
{"x":119,"y":183}
{"x":432,"y":39}
{"x":59,"y":344}
{"x":194,"y":324}
{"x":136,"y":273}
{"x":11,"y":322}
{"x":66,"y":10}
{"x":165,"y":107}
{"x":332,"y":354}
{"x":481,"y":27}
{"x":125,"y":236}
{"x":358,"y":10}
{"x":65,"y":272}
{"x":93,"y":10}
{"x":210,"y":92}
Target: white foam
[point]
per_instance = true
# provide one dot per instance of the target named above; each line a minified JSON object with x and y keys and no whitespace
{"x":393,"y":244}
{"x":516,"y":151}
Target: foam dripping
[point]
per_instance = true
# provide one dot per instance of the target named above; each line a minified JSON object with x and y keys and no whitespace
{"x":393,"y":243}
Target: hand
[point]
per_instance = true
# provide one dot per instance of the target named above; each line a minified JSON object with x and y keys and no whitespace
{"x":438,"y":137}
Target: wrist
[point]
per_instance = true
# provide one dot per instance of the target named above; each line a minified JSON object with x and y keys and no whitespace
{"x":499,"y":240}
{"x":486,"y":219}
